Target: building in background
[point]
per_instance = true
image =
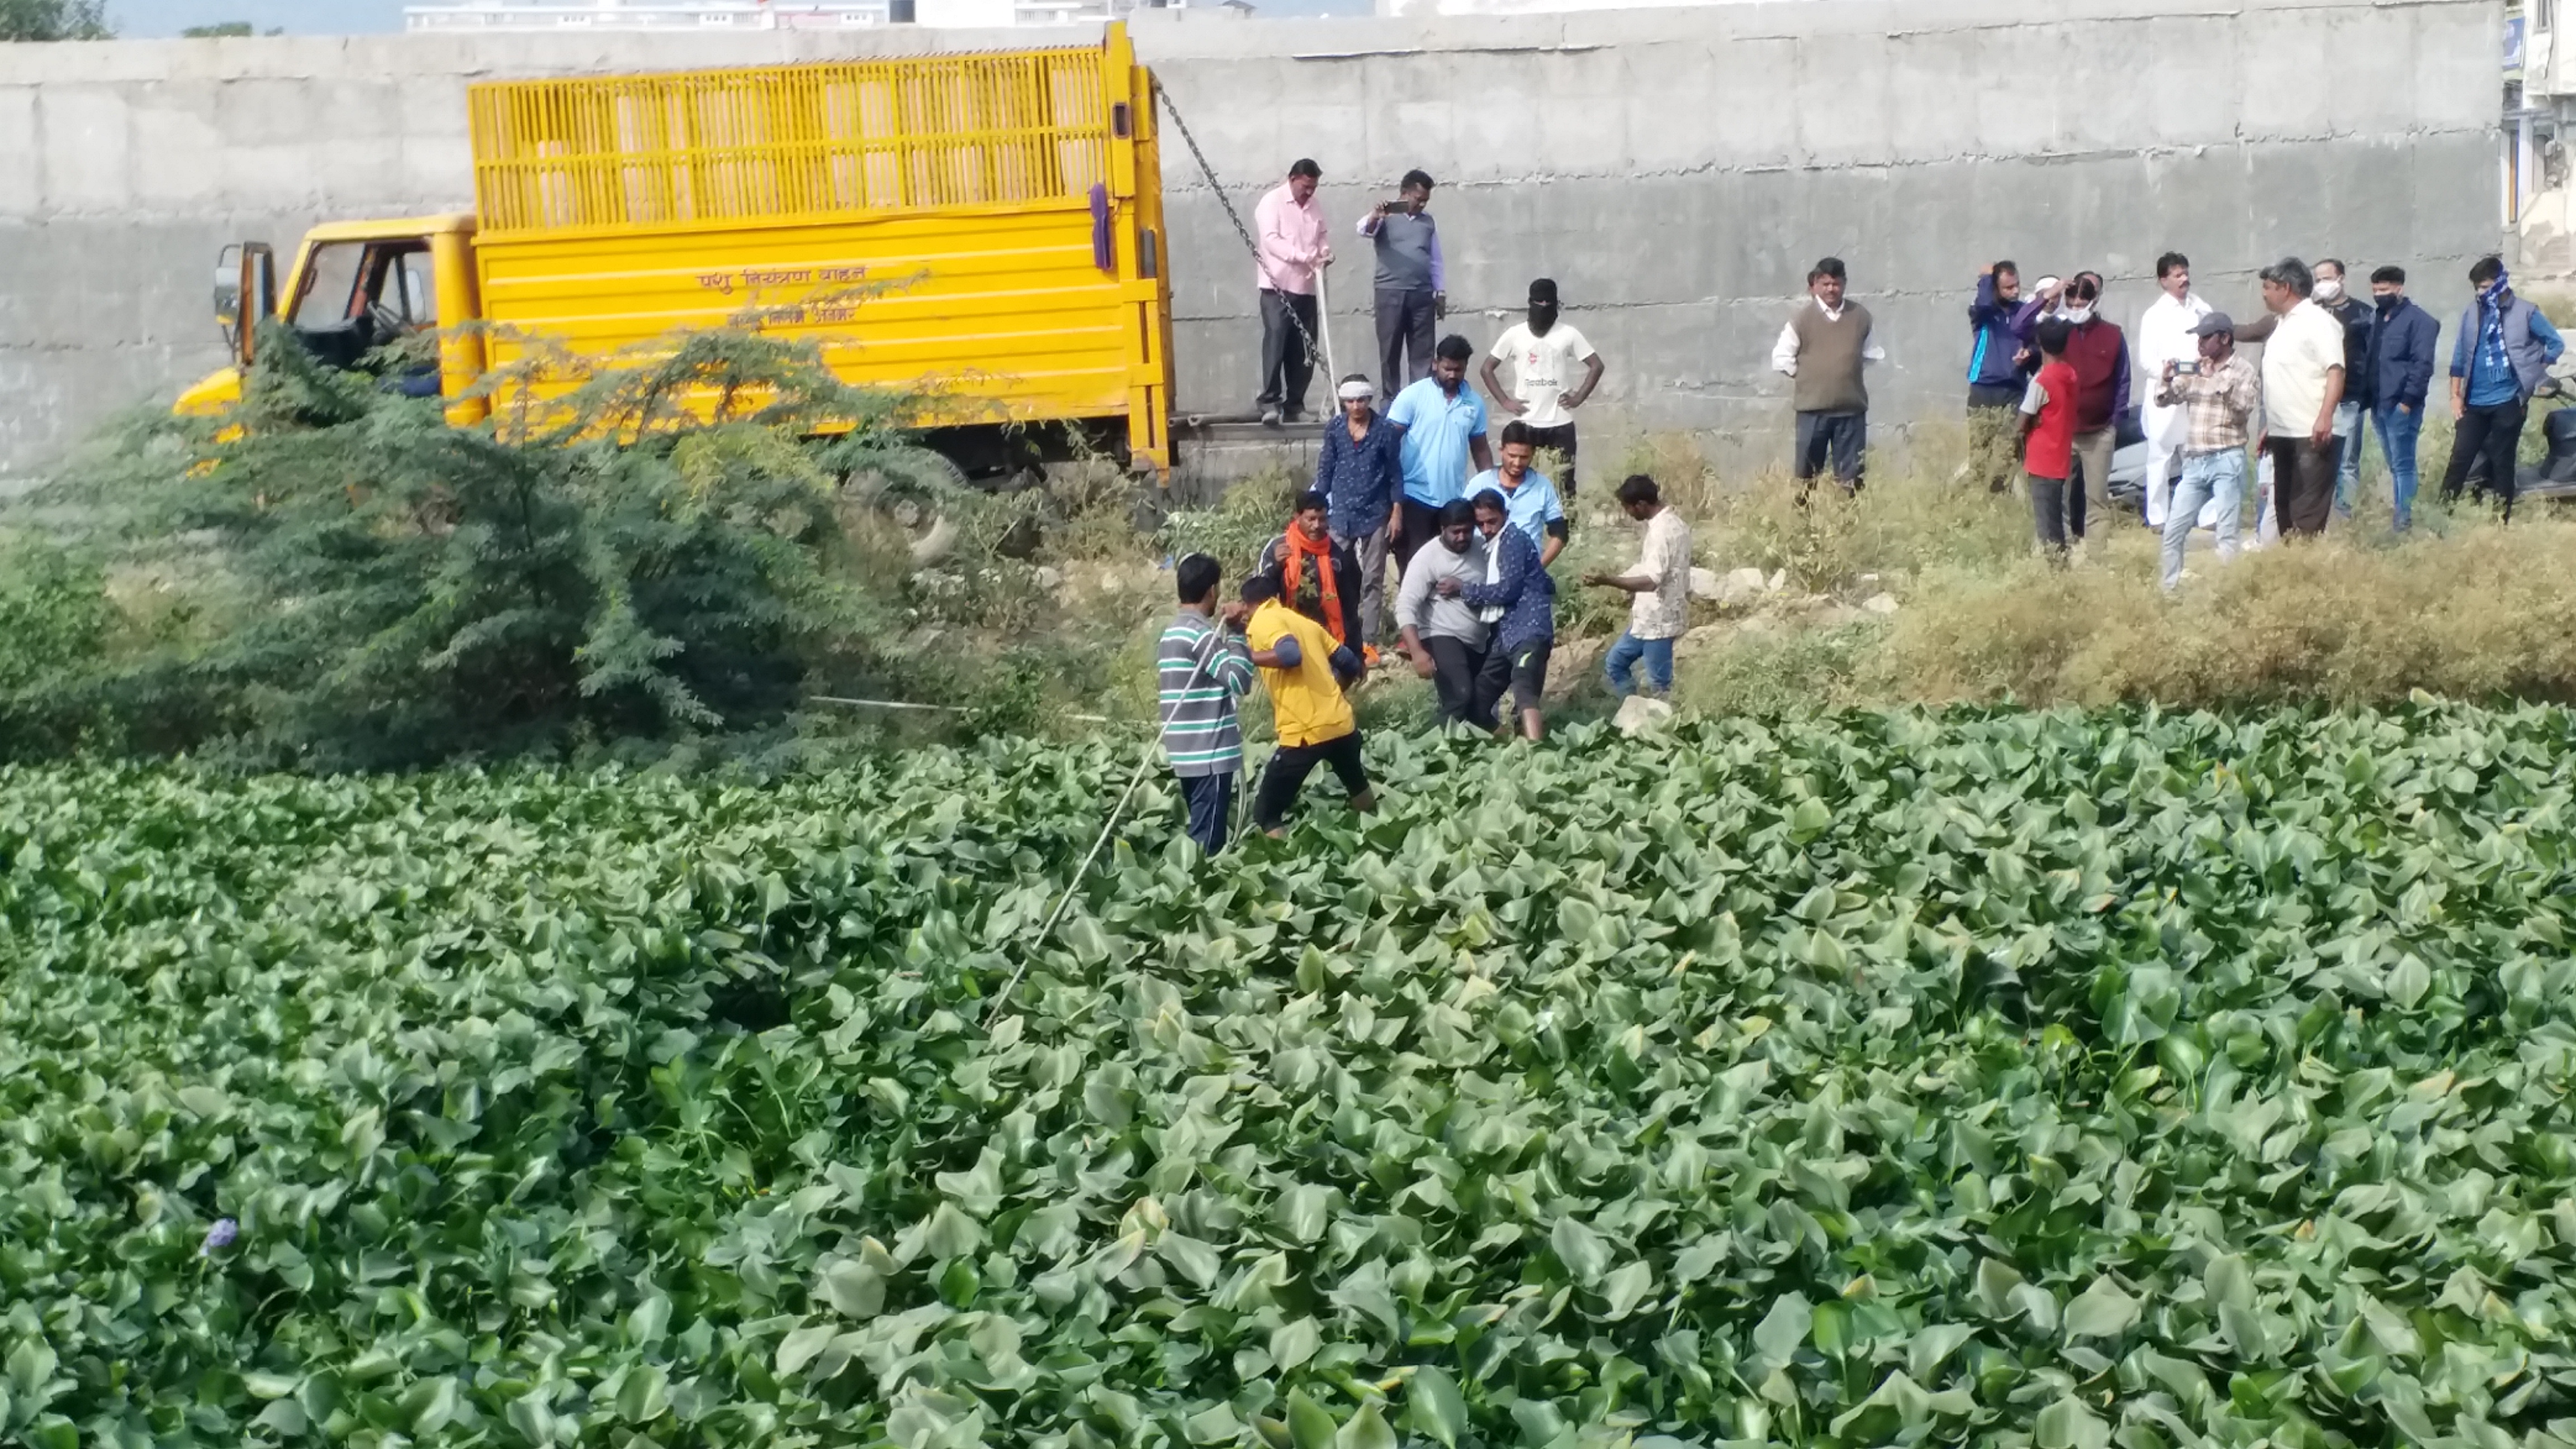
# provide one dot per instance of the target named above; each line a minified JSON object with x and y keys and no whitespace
{"x":2539,"y":110}
{"x":486,"y":16}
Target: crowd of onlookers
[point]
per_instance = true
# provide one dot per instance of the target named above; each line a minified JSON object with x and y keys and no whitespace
{"x":1472,"y":524}
{"x":2049,"y":377}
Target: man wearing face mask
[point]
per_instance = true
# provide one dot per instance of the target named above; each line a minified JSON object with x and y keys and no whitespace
{"x":2498,"y":361}
{"x":2165,"y":335}
{"x":2357,"y":318}
{"x":1545,"y":354}
{"x":2401,"y":373}
{"x":2099,"y":353}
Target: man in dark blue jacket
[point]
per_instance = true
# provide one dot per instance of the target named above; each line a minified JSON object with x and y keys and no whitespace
{"x":2402,"y":351}
{"x":1996,"y":377}
{"x":1517,"y":601}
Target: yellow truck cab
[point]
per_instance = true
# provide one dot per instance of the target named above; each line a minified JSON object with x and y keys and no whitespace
{"x":356,"y":286}
{"x":983,"y":232}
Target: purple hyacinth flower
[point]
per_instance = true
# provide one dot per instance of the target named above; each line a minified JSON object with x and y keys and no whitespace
{"x":221,"y":1235}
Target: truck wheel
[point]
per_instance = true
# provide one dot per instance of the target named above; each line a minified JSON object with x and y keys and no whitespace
{"x":910,"y":503}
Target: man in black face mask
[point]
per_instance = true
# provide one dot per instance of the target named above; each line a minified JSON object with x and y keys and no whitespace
{"x":2401,"y":372}
{"x":1544,"y":353}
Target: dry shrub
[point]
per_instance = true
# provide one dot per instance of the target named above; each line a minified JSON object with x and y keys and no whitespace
{"x":2479,"y":614}
{"x":1828,"y":543}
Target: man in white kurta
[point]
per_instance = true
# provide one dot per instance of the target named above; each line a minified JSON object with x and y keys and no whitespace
{"x":2164,"y":335}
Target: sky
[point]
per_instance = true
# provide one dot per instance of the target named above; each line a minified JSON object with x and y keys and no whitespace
{"x":149,"y":18}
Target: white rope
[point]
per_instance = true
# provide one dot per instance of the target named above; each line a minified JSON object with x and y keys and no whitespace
{"x":944,"y":708}
{"x":1216,"y":641}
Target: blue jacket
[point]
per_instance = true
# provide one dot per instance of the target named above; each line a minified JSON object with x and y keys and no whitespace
{"x":1990,"y":322}
{"x":2402,"y":348}
{"x":1521,"y":588}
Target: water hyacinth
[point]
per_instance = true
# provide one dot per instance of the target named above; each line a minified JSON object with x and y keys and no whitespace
{"x":220,"y":1235}
{"x":1999,"y":1080}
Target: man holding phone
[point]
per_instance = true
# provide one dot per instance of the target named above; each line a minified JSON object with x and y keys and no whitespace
{"x":1412,"y":292}
{"x":2217,"y":393}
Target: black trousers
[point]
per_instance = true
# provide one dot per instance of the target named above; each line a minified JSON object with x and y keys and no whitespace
{"x":1837,"y":440}
{"x":1560,"y":438}
{"x":2303,"y":483}
{"x":1403,"y":323}
{"x":1287,"y":367}
{"x":1210,"y":799}
{"x":1289,"y":766}
{"x":1522,"y":671}
{"x":2492,"y":432}
{"x":1421,"y":523}
{"x":1454,"y":667}
{"x":2056,"y":512}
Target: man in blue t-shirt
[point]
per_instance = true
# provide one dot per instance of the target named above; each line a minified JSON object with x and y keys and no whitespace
{"x":1442,"y":423}
{"x":1530,"y":499}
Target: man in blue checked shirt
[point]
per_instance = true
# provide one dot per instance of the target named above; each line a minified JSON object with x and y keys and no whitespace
{"x":1529,"y":496}
{"x":1442,"y":422}
{"x":1360,"y":471}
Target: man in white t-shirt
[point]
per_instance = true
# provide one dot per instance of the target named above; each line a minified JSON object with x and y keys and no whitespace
{"x":2302,"y":385}
{"x":1544,"y":354}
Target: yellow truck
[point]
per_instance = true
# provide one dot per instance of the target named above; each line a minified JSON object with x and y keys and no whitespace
{"x":984,"y":231}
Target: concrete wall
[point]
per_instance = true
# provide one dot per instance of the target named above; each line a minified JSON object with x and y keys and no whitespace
{"x":1675,"y":169}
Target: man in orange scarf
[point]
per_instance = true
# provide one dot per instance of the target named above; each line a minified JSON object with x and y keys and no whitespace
{"x":1318,"y":575}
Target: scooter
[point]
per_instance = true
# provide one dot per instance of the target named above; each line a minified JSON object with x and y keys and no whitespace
{"x":2554,"y":476}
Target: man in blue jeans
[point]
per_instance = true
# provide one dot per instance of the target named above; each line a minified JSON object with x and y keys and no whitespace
{"x":2402,"y":350}
{"x":1658,"y":586}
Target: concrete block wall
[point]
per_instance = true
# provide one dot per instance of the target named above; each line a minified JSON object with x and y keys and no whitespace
{"x":1675,"y":169}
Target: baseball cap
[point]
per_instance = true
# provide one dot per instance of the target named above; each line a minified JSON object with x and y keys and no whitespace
{"x":2214,"y":324}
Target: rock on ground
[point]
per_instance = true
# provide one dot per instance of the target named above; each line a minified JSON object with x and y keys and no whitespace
{"x":1638,"y":715}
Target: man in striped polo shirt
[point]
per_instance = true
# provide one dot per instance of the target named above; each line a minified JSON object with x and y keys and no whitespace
{"x":1202,"y":668}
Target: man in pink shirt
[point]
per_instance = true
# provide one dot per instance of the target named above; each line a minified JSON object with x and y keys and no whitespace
{"x":1289,"y":229}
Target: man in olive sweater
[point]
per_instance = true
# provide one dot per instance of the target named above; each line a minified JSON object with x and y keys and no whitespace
{"x":1823,"y":350}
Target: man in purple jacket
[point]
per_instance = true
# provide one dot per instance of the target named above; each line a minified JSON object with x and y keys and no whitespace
{"x":1996,"y":377}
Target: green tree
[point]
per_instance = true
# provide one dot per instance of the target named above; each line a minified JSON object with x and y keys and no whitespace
{"x":55,"y":20}
{"x":609,"y":566}
{"x":225,"y":30}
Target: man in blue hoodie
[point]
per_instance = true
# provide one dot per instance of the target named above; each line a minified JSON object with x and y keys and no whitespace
{"x":2401,"y":372}
{"x":1996,"y":377}
{"x":2498,"y":361}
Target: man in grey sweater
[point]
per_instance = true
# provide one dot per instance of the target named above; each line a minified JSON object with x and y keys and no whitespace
{"x":1443,"y":637}
{"x":1411,"y":292}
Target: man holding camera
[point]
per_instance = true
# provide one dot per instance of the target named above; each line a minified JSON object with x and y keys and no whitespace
{"x":1412,"y":293}
{"x":2217,"y":393}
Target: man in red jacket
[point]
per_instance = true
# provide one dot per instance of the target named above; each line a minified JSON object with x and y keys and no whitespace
{"x":2099,"y":353}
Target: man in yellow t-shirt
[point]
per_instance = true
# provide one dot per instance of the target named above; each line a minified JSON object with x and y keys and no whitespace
{"x":1308,"y":708}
